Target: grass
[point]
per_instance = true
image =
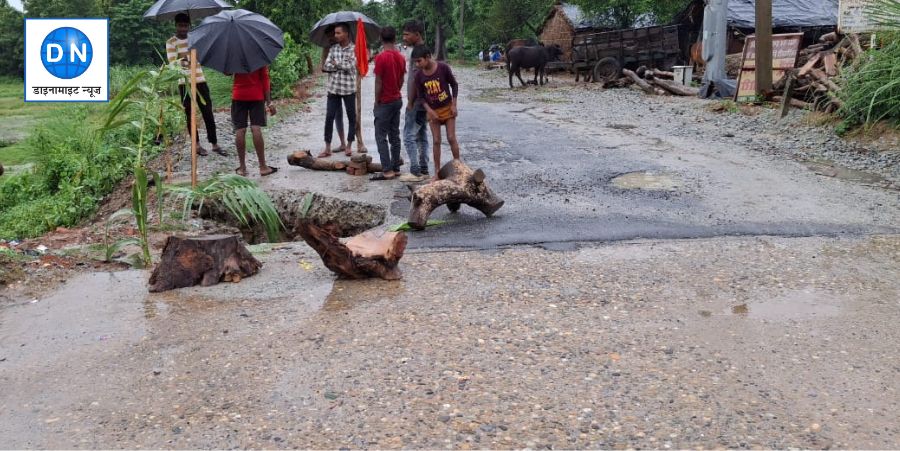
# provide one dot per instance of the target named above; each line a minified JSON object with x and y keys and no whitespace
{"x":17,"y":119}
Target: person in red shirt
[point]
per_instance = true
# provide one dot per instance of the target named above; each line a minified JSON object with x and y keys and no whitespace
{"x":251,"y":99}
{"x":390,"y":66}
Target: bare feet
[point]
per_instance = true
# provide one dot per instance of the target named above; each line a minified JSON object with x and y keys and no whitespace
{"x":241,"y":171}
{"x":219,"y":150}
{"x":324,"y":154}
{"x":272,"y":170}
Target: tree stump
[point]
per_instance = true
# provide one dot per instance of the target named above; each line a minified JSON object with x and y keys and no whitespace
{"x":457,"y":184}
{"x":364,"y":256}
{"x":205,"y":260}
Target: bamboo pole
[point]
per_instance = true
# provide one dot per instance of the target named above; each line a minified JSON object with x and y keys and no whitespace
{"x":193,"y":118}
{"x":360,"y":147}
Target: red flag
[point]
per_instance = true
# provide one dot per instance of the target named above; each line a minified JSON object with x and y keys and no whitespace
{"x":362,"y":49}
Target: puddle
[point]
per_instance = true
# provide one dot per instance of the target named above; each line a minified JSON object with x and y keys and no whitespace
{"x":797,"y":305}
{"x":829,"y":169}
{"x":647,"y":180}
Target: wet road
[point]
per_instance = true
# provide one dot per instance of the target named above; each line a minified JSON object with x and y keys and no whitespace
{"x":728,"y":341}
{"x":573,"y":179}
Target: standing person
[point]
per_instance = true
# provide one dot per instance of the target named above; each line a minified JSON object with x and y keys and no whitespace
{"x":390,"y":66}
{"x":437,"y":87}
{"x":177,"y":50}
{"x":339,"y":115}
{"x":251,"y":99}
{"x":415,"y":136}
{"x":341,"y":86}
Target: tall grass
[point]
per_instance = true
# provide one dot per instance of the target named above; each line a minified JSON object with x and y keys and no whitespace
{"x":871,"y":88}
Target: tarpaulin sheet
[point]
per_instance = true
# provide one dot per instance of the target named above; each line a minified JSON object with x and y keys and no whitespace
{"x":785,"y":13}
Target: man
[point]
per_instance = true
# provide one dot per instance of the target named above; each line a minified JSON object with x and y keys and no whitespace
{"x":390,"y":66}
{"x":341,"y":86}
{"x":414,"y":128}
{"x":251,"y":99}
{"x":339,"y":115}
{"x":177,"y":50}
{"x":438,"y":90}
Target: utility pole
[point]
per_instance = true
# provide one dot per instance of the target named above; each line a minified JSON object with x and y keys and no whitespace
{"x":763,"y":47}
{"x":462,"y":36}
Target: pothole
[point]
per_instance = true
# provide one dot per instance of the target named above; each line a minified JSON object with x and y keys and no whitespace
{"x":648,"y":180}
{"x":349,"y":217}
{"x":830,"y":169}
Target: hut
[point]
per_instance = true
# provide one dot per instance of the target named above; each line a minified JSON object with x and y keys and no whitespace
{"x":559,"y":27}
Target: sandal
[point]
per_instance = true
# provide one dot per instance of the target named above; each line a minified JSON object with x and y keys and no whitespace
{"x":381,"y":176}
{"x":201,"y":151}
{"x":272,"y":170}
{"x":220,"y":151}
{"x":241,"y":172}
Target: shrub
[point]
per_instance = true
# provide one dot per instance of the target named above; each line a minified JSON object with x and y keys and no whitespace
{"x":871,"y":91}
{"x":286,"y":69}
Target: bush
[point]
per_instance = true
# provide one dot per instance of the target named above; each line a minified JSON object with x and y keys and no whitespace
{"x":78,"y":166}
{"x":286,"y":69}
{"x":871,"y":91}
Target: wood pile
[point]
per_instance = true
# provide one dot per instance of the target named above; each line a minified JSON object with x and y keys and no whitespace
{"x":811,"y":85}
{"x":653,"y":81}
{"x":359,"y":164}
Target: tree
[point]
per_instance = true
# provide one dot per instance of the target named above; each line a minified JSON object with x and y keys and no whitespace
{"x":133,"y":40}
{"x":12,"y":46}
{"x":625,"y":13}
{"x":60,"y":8}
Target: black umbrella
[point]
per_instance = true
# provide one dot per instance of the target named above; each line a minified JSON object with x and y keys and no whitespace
{"x":318,"y":36}
{"x":197,"y":9}
{"x":236,"y":41}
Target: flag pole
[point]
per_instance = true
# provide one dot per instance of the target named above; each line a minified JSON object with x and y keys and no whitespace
{"x":193,"y":118}
{"x":360,"y":147}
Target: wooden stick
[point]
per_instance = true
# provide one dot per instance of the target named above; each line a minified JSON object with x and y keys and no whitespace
{"x":788,"y":94}
{"x":360,"y":147}
{"x":820,"y":76}
{"x":674,"y":88}
{"x":794,"y":102}
{"x":193,"y":118}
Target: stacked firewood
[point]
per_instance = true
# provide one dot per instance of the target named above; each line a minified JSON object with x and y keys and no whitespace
{"x":811,"y":85}
{"x":652,"y":81}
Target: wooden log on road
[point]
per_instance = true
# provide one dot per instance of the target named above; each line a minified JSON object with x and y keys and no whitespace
{"x":640,"y":82}
{"x":457,"y":184}
{"x":675,"y":88}
{"x":304,"y":159}
{"x":364,"y":256}
{"x":204,"y":260}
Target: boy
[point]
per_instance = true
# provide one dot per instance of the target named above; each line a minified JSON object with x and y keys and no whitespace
{"x":177,"y":50}
{"x":415,"y":135}
{"x":390,"y":66}
{"x":251,"y":98}
{"x":437,"y":88}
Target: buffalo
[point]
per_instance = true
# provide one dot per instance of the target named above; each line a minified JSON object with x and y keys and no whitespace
{"x":536,"y":57}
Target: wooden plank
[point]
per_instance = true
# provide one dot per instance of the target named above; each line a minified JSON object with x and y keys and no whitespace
{"x":788,"y":94}
{"x":809,"y":65}
{"x":763,"y":47}
{"x":830,"y":63}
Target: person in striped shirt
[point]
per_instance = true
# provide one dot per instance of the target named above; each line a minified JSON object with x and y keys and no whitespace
{"x":177,"y":50}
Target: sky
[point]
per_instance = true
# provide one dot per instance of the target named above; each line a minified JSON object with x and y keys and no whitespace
{"x":15,"y":4}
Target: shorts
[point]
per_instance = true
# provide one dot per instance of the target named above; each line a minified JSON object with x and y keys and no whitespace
{"x":242,"y":109}
{"x":444,"y":113}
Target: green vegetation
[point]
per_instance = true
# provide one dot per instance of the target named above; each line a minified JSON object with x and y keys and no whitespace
{"x":871,"y":88}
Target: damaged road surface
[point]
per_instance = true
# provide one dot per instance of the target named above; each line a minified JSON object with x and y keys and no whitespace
{"x":686,"y":292}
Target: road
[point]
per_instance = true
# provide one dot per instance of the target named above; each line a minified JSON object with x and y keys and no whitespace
{"x":713,"y":297}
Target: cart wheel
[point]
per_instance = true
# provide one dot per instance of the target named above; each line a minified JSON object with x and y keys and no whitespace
{"x":606,"y":70}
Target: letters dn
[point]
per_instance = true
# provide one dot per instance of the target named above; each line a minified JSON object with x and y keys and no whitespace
{"x":66,"y":60}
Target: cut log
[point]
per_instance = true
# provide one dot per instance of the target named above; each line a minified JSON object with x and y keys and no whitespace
{"x":821,"y":77}
{"x":659,"y":74}
{"x":304,"y":159}
{"x":809,"y":65}
{"x":457,"y":184}
{"x":675,"y":88}
{"x":205,"y":260}
{"x":640,"y":82}
{"x":829,"y":60}
{"x":829,"y":37}
{"x":364,"y":256}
